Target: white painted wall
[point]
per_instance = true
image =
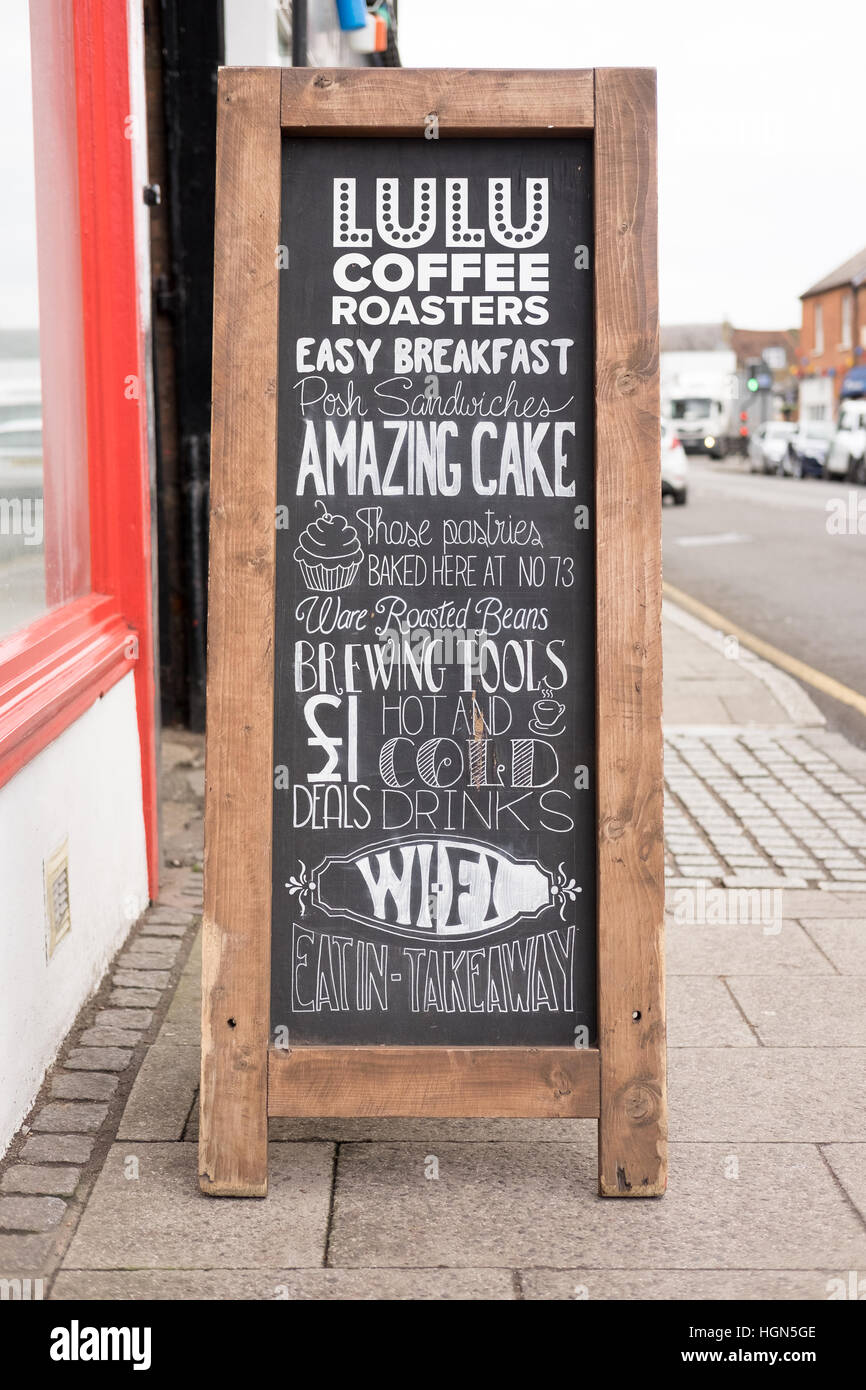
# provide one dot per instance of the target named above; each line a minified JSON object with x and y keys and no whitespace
{"x":251,"y":30}
{"x":251,"y":33}
{"x":816,"y":398}
{"x":85,"y":786}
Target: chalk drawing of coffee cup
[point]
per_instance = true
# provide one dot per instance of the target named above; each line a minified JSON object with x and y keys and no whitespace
{"x":546,"y":715}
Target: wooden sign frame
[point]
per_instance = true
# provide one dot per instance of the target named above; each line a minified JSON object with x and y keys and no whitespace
{"x":622,"y":1081}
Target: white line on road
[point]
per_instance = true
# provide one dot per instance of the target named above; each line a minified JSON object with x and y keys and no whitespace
{"x":716,"y":538}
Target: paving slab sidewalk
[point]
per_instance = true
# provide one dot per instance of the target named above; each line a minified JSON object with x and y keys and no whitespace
{"x":767,"y":984}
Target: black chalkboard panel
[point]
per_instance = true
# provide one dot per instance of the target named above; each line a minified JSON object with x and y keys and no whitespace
{"x":434,"y":808}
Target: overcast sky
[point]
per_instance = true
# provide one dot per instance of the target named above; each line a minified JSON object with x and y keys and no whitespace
{"x":762,"y":147}
{"x":761,"y":136}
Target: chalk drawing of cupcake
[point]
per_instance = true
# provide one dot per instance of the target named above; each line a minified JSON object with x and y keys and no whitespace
{"x":329,"y":553}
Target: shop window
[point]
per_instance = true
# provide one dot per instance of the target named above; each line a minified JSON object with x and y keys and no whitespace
{"x":76,"y":583}
{"x":818,"y":346}
{"x":44,"y":531}
{"x":847,"y":321}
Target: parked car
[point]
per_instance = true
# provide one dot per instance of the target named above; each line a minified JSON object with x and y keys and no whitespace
{"x":808,"y":449}
{"x":847,"y":455}
{"x":769,"y":446}
{"x":675,"y":466}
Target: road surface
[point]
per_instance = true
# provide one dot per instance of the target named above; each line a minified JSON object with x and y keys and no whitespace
{"x":763,"y":552}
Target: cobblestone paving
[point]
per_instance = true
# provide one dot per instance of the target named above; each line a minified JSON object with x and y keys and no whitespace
{"x":746,"y":807}
{"x":44,"y":1176}
{"x":51,"y":1165}
{"x":751,"y":807}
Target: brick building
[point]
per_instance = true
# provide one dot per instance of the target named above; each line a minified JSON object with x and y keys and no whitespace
{"x":833,"y":340}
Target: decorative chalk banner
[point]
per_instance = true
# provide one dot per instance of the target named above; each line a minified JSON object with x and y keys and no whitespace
{"x":434,"y":875}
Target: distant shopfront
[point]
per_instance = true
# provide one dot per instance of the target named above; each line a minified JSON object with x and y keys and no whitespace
{"x":816,"y":398}
{"x":854,"y":384}
{"x":832,"y":357}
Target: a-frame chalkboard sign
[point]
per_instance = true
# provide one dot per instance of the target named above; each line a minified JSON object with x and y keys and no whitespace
{"x":434,"y":871}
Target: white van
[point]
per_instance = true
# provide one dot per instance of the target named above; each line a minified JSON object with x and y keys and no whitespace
{"x":847,"y":456}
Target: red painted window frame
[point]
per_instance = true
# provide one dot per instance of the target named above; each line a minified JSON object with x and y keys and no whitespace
{"x":57,"y":667}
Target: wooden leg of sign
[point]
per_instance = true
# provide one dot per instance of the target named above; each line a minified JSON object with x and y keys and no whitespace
{"x":632,"y":1124}
{"x":239,"y":775}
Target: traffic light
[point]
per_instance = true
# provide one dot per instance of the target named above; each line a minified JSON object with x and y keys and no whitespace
{"x":759,"y":377}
